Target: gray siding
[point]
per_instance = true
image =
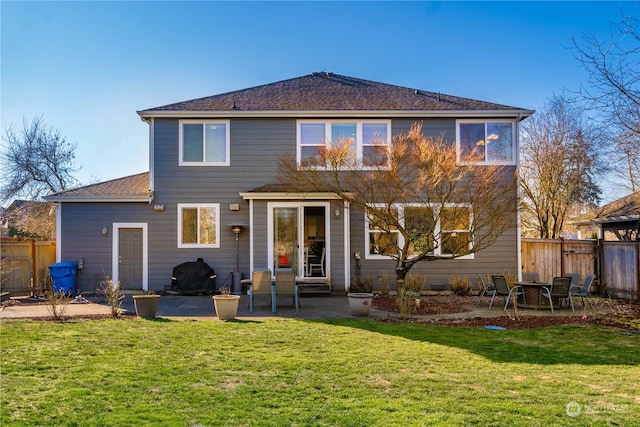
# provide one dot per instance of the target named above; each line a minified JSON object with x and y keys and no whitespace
{"x":256,"y":145}
{"x":82,"y":236}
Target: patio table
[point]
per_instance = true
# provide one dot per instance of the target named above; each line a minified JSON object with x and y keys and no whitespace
{"x":532,"y":295}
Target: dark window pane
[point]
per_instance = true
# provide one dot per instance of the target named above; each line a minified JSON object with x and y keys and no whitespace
{"x":472,"y":139}
{"x":192,"y":143}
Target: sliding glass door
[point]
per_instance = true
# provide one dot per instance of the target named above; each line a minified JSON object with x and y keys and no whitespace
{"x":298,"y":237}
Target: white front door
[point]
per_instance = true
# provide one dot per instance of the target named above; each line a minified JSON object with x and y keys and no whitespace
{"x":299,"y":238}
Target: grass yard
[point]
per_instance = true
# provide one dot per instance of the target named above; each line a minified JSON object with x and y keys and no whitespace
{"x":347,"y":372}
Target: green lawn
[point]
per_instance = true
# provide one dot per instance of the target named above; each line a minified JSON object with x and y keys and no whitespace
{"x":328,"y":373}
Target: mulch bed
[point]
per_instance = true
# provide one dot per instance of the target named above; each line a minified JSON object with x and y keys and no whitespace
{"x":619,"y":314}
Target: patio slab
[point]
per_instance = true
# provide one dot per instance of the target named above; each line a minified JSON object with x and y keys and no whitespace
{"x":201,"y":307}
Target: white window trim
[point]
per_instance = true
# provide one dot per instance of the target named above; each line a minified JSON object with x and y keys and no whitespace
{"x":400,"y":207}
{"x":514,"y":141}
{"x":227,"y":124}
{"x":359,"y":133}
{"x":198,"y":205}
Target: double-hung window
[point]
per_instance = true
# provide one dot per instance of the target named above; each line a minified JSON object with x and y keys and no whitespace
{"x":492,"y":142}
{"x":198,"y":225}
{"x":368,"y":141}
{"x":444,"y":232}
{"x":204,"y":143}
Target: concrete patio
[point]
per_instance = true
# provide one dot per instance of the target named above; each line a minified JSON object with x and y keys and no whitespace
{"x":313,"y":307}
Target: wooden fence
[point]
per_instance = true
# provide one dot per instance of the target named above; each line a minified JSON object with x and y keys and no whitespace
{"x":615,"y":264}
{"x":23,"y":262}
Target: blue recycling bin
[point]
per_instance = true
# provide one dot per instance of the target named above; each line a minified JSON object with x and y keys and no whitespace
{"x":63,"y":276}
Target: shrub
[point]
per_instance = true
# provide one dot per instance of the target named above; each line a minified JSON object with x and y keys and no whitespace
{"x":57,"y":301}
{"x":384,"y":283}
{"x":460,"y":285}
{"x":361,"y":284}
{"x":408,"y":292}
{"x":113,"y":294}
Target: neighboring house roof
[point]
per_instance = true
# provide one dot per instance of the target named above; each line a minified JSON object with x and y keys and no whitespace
{"x":624,"y":209}
{"x":134,"y":188}
{"x":322,"y":93}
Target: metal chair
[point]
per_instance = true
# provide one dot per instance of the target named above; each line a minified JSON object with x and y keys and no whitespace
{"x":575,"y":279}
{"x":286,"y":285}
{"x":502,"y":289}
{"x":487,"y":288}
{"x":261,"y":284}
{"x":584,"y":291}
{"x":558,"y":289}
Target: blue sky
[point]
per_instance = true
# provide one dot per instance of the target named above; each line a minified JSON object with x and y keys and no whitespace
{"x":87,"y":67}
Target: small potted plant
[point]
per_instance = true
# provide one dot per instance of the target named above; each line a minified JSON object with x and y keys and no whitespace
{"x":360,"y":295}
{"x":146,"y":305}
{"x":226,"y":305}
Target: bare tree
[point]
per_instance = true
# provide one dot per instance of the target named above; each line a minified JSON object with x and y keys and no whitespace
{"x":559,"y":165}
{"x":421,"y":202}
{"x":36,"y":160}
{"x":32,"y":219}
{"x":614,"y":93}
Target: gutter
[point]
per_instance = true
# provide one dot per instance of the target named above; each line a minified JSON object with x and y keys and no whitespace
{"x":184,"y":114}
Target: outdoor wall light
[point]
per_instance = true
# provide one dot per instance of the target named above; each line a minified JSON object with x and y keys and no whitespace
{"x":337,"y":213}
{"x":104,"y":230}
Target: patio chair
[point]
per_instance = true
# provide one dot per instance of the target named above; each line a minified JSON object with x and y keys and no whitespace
{"x":502,"y":289}
{"x":487,"y":288}
{"x":319,"y":265}
{"x":286,"y":285}
{"x":261,"y":284}
{"x":559,"y":289}
{"x":530,"y":276}
{"x":575,"y":279}
{"x":584,"y":291}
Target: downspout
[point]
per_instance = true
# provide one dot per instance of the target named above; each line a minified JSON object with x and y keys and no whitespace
{"x":347,"y":244}
{"x":59,"y":232}
{"x":519,"y":197}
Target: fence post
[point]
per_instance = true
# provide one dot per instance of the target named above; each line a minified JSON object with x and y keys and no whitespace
{"x":562,"y":256}
{"x":32,"y":244}
{"x":600,"y":273}
{"x":638,"y":268}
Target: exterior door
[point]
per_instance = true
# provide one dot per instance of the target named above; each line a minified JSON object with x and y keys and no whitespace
{"x":298,"y":238}
{"x":130,"y":258}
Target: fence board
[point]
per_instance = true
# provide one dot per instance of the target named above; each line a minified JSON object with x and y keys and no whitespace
{"x":23,"y":260}
{"x":552,"y":258}
{"x":618,"y":273}
{"x":621,"y":269}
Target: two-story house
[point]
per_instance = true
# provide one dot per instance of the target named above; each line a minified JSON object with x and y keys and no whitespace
{"x":213,"y":162}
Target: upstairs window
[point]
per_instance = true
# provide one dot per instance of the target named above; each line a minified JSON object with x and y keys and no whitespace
{"x":204,"y":143}
{"x":369,"y":140}
{"x":492,"y":141}
{"x":198,"y":225}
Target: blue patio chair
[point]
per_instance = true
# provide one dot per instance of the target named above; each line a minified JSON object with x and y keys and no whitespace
{"x":584,"y":291}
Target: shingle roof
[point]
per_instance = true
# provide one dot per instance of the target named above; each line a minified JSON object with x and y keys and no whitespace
{"x":130,"y":188}
{"x":330,"y":92}
{"x":624,"y":209}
